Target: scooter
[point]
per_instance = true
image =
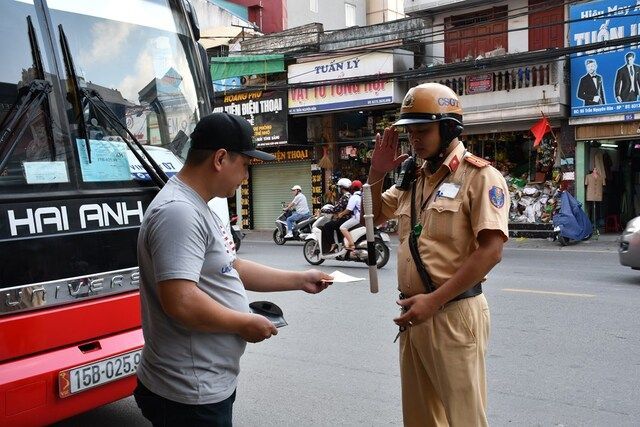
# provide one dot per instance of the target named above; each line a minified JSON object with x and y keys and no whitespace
{"x":300,"y":231}
{"x":313,"y":252}
{"x":236,"y":232}
{"x":571,"y":223}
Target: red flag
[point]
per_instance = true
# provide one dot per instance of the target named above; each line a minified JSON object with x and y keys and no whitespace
{"x":540,"y":129}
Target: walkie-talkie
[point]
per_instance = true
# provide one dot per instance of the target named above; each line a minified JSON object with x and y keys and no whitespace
{"x":407,"y":174}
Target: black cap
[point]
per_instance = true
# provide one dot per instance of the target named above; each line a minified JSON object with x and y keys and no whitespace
{"x":228,"y":131}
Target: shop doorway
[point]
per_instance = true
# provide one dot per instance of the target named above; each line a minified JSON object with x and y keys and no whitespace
{"x":271,"y":185}
{"x":618,"y":162}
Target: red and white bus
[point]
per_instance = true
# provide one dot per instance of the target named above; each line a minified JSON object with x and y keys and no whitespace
{"x":96,"y":101}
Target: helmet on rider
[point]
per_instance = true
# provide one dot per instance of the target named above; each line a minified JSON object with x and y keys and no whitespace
{"x":356,"y":185}
{"x":296,"y":188}
{"x":433,"y":102}
{"x":344,"y":183}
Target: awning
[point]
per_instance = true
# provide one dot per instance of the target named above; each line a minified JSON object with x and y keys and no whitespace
{"x":234,"y":66}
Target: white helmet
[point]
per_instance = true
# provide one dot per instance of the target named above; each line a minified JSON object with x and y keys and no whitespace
{"x":344,"y":183}
{"x":296,"y":187}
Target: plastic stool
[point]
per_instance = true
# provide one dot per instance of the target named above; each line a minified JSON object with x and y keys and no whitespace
{"x":612,"y":224}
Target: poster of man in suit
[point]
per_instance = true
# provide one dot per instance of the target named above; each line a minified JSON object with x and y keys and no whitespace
{"x":590,"y":88}
{"x":627,"y":85}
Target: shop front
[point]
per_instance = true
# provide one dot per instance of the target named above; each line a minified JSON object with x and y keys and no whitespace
{"x":342,"y":118}
{"x":266,"y":110}
{"x":611,"y":153}
{"x":270,"y":185}
{"x":605,"y":115}
{"x":534,"y":173}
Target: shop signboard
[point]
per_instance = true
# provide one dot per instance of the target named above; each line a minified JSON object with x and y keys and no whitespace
{"x":265,"y":110}
{"x":341,"y":96}
{"x":288,"y":156}
{"x":480,"y":83}
{"x":604,"y":81}
{"x":337,"y":95}
{"x":342,"y":67}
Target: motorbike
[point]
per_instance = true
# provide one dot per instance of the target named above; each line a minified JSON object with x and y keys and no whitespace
{"x":571,"y":223}
{"x":236,"y":232}
{"x":300,"y":231}
{"x":313,"y":252}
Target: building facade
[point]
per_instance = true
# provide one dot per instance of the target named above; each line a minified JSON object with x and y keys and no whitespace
{"x":495,"y":57}
{"x":274,"y":16}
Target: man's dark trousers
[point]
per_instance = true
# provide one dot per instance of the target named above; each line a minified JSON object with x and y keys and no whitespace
{"x":167,"y":413}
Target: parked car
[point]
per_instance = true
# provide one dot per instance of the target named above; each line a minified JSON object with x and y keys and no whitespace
{"x":629,"y":249}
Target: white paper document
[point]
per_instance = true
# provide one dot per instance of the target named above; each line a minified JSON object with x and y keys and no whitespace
{"x":340,"y":277}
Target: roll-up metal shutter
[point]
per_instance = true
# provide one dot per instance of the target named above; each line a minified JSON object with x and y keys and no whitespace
{"x":271,"y":184}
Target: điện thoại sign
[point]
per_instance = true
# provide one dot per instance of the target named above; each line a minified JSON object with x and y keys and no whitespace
{"x":300,"y":155}
{"x":265,"y":110}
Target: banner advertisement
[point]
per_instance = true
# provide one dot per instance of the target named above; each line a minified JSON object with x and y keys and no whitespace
{"x":340,"y":96}
{"x":265,"y":110}
{"x":604,"y":81}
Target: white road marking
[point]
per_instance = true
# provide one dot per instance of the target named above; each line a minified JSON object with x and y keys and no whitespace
{"x":611,"y":251}
{"x":566,"y":294}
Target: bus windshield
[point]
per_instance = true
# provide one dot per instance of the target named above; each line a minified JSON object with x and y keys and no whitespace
{"x":138,"y":58}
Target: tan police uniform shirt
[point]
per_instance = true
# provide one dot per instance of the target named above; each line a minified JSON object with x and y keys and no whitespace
{"x":451,"y":220}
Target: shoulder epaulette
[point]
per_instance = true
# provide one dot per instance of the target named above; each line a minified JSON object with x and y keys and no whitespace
{"x":476,"y":161}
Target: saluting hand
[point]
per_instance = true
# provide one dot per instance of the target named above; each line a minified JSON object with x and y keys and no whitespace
{"x":418,"y":308}
{"x":383,"y":158}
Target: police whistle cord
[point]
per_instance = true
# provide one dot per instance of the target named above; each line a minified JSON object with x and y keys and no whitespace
{"x":367,"y":203}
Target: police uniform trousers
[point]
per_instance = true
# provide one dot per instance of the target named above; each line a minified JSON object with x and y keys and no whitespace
{"x":442,"y":366}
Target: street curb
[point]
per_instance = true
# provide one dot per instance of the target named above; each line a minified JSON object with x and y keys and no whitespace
{"x":604,"y":242}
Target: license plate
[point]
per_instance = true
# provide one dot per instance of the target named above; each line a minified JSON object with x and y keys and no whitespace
{"x":81,"y":378}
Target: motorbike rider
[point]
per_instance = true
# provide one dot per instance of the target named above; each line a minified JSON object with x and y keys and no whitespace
{"x":299,"y":203}
{"x":330,"y":228}
{"x":353,"y":209}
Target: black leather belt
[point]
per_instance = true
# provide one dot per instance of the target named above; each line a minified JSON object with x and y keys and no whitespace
{"x":472,"y":292}
{"x":469,"y":293}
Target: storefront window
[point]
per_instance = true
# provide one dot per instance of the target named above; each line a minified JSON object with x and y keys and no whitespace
{"x":530,"y":172}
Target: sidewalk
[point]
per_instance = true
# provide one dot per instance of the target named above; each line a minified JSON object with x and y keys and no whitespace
{"x":603,"y":242}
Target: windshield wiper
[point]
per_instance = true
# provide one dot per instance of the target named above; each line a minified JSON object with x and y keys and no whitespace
{"x":13,"y":127}
{"x":74,"y":91}
{"x":81,"y":96}
{"x":29,"y":100}
{"x":37,"y":63}
{"x":153,"y":169}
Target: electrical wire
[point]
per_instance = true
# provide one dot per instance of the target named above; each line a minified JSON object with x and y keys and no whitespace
{"x":465,"y":65}
{"x":453,"y":69}
{"x":434,"y":33}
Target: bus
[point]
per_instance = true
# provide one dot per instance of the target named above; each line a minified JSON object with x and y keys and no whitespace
{"x":96,"y":102}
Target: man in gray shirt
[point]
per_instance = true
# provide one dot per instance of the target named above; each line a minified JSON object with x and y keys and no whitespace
{"x":195,"y":312}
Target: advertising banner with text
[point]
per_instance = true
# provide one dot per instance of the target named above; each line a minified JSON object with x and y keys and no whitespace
{"x":604,"y":81}
{"x":265,"y":110}
{"x":340,"y":96}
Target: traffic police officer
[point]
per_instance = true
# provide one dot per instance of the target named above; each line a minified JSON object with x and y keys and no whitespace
{"x":454,"y":212}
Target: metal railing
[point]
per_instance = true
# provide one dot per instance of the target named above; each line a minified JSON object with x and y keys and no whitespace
{"x":504,"y":80}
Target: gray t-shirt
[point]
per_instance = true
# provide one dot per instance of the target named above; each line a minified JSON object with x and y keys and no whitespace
{"x":181,"y":238}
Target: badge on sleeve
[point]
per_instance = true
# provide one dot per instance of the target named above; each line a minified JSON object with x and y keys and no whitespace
{"x":496,"y":195}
